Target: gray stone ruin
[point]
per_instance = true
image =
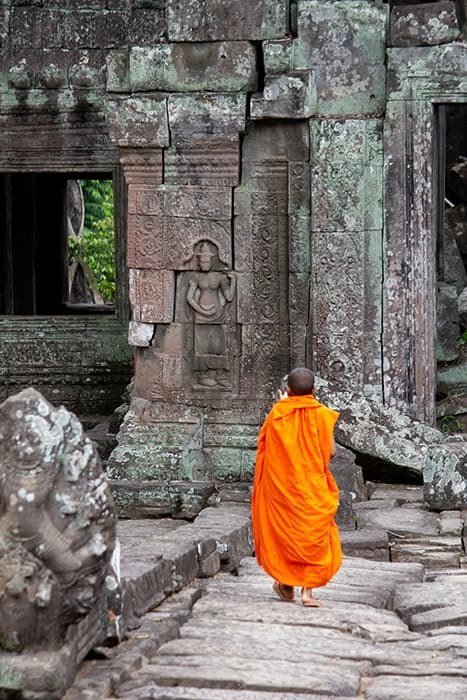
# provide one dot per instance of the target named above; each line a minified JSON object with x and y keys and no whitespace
{"x":57,"y":536}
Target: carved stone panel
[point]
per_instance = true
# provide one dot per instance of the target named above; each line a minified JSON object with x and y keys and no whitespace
{"x":350,"y":361}
{"x":167,"y":242}
{"x":262,"y":362}
{"x":145,"y":241}
{"x":152,"y":295}
{"x":181,"y":201}
{"x":142,"y":166}
{"x":346,"y":302}
{"x":338,"y":290}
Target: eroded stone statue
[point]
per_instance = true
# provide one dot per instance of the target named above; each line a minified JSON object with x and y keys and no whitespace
{"x":57,"y":526}
{"x":208,"y":293}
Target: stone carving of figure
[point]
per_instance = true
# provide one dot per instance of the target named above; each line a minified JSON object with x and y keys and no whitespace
{"x":57,"y":524}
{"x":208,"y":293}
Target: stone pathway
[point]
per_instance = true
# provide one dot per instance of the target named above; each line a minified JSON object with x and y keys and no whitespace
{"x":387,"y":630}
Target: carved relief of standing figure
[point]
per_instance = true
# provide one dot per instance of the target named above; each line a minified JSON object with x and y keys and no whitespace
{"x":208,"y":293}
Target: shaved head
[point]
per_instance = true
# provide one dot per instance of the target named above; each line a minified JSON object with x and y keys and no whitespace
{"x":301,"y":381}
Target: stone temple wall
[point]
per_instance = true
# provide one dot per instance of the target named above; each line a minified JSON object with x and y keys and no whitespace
{"x":276,"y":159}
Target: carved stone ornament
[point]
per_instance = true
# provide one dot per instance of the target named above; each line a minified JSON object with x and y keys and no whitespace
{"x":57,"y":527}
{"x":209,"y":290}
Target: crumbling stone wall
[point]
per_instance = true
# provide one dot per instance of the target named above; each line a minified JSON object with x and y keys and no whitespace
{"x":277,"y":171}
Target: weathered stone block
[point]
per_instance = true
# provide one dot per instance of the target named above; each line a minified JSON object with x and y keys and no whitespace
{"x":299,"y":194}
{"x":346,"y":175}
{"x":224,"y":435}
{"x":369,"y":544}
{"x":223,"y":463}
{"x":211,"y":20}
{"x":290,"y":96}
{"x":345,"y":44}
{"x":219,"y":66}
{"x":138,"y":121}
{"x":25,"y":27}
{"x":265,"y":143}
{"x":140,"y":334}
{"x":152,"y":295}
{"x":156,"y":499}
{"x":447,"y":324}
{"x":372,"y":429}
{"x":146,"y":26}
{"x":87,"y":28}
{"x":427,"y":24}
{"x":278,"y":56}
{"x":192,"y":117}
{"x":210,"y":565}
{"x":139,"y":461}
{"x":118,"y":70}
{"x":445,"y":475}
{"x":452,"y":380}
{"x":299,"y":244}
{"x":148,"y":582}
{"x":212,"y":162}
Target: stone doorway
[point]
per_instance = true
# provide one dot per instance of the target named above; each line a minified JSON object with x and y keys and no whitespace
{"x":451,"y":346}
{"x":51,"y":261}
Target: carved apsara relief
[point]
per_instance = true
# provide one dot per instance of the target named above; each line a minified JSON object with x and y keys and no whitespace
{"x":209,"y":291}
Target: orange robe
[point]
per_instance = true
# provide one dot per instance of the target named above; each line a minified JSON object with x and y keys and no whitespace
{"x":295,"y":496}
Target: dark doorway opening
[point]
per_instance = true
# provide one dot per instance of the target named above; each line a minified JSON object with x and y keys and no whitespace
{"x":43,"y":269}
{"x":451,"y":188}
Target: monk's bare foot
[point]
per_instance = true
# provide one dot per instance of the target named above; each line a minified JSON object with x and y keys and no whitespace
{"x":307,"y":599}
{"x":284,"y":592}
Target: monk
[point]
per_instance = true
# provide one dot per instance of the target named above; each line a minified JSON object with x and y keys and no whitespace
{"x":295,"y":496}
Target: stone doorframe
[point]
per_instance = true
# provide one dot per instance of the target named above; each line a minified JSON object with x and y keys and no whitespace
{"x":409,"y":293}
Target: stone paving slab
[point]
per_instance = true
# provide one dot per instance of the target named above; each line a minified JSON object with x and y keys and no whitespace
{"x":333,"y":677}
{"x":230,"y":638}
{"x":428,"y":687}
{"x":403,"y":521}
{"x":152,"y":691}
